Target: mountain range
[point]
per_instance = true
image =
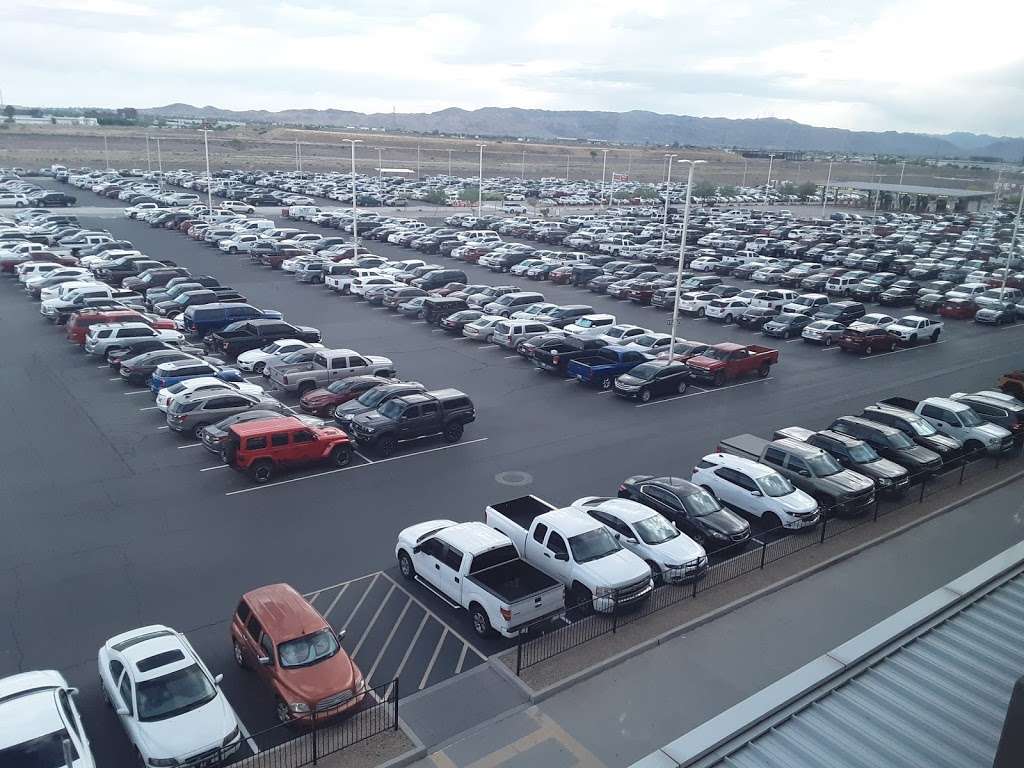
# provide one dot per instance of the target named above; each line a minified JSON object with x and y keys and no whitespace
{"x":635,"y":127}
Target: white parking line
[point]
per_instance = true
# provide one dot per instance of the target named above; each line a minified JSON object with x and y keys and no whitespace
{"x":420,"y":322}
{"x":390,"y":637}
{"x":346,"y":469}
{"x":433,"y":660}
{"x":359,"y":604}
{"x":102,"y":366}
{"x":150,"y":408}
{"x":462,"y":338}
{"x":462,"y":659}
{"x":189,"y":445}
{"x":829,"y":349}
{"x":246,"y":733}
{"x":337,"y":597}
{"x":490,"y":346}
{"x":408,"y":651}
{"x":341,"y":584}
{"x":357,"y":453}
{"x":114,"y":378}
{"x":1011,"y":327}
{"x":210,"y":469}
{"x":703,"y":392}
{"x":160,"y":428}
{"x":511,"y":357}
{"x":905,"y":349}
{"x":136,"y":392}
{"x":790,"y":341}
{"x":373,"y":620}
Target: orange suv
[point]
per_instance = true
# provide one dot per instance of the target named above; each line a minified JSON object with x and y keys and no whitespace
{"x":276,"y":632}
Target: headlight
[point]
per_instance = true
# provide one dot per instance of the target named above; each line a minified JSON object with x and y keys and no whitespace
{"x":230,"y":737}
{"x":716,"y":534}
{"x":299,"y":708}
{"x":369,"y":430}
{"x":162,"y":761}
{"x":884,"y":482}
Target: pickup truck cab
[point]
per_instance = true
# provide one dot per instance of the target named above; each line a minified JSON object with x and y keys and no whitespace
{"x":958,"y":420}
{"x":601,"y":368}
{"x":255,"y":334}
{"x":721,"y":363}
{"x":262,"y":448}
{"x":913,"y":328}
{"x":327,"y":366}
{"x":441,"y":412}
{"x":576,"y":550}
{"x":477,"y":568}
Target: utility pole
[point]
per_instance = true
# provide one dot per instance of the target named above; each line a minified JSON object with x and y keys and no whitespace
{"x":449,"y":163}
{"x":160,"y":163}
{"x":522,"y":176}
{"x":417,"y":162}
{"x":768,"y":183}
{"x":209,"y":177}
{"x":480,"y":184}
{"x":106,"y":154}
{"x":828,"y":182}
{"x":568,"y":157}
{"x":355,"y":227}
{"x":149,"y":162}
{"x":744,"y":173}
{"x":604,"y":167}
{"x":1013,"y":240}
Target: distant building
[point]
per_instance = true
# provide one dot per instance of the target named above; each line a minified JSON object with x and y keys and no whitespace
{"x":55,"y":120}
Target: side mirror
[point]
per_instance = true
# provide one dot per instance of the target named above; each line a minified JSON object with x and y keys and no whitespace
{"x":121,"y":710}
{"x":72,"y":691}
{"x":563,"y":556}
{"x":264,"y":661}
{"x":341,"y":634}
{"x":631,"y":540}
{"x":756,"y":493}
{"x":218,"y":679}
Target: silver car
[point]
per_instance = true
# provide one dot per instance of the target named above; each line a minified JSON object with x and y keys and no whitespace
{"x":482,"y":329}
{"x":511,"y":333}
{"x":824,"y":332}
{"x":199,"y":409}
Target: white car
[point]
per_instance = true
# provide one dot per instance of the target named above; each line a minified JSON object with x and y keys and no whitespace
{"x":705,"y":264}
{"x":877,"y":318}
{"x":35,"y":282}
{"x":482,"y":329}
{"x":651,"y":343}
{"x":106,"y":337}
{"x":726,"y":309}
{"x":695,"y":302}
{"x":621,"y":333}
{"x":170,"y":704}
{"x":237,"y":206}
{"x":13,"y":200}
{"x":183,"y":389}
{"x":57,"y":291}
{"x":590,"y":326}
{"x":756,"y":491}
{"x":672,"y":556}
{"x":255,"y":360}
{"x":37,"y":713}
{"x":806,"y":304}
{"x":914,"y":328}
{"x":358,"y":286}
{"x":30,"y":269}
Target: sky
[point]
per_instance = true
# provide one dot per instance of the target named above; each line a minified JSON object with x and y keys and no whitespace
{"x":906,"y":65}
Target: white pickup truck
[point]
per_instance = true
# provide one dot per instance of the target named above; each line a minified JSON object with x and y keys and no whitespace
{"x":475,"y":567}
{"x":914,"y":328}
{"x":574,"y":549}
{"x":327,"y":366}
{"x":342,"y":283}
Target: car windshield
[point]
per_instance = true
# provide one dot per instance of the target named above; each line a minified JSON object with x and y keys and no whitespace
{"x":297,"y":356}
{"x":774,"y":485}
{"x":970,"y":419}
{"x":716,"y":354}
{"x":371,"y":398}
{"x":655,"y":530}
{"x":823,"y":465}
{"x":899,"y":440}
{"x":863,"y":453}
{"x":585,"y":322}
{"x":645,"y":340}
{"x":308,"y":650}
{"x":593,"y":545}
{"x":44,"y":751}
{"x":922,"y":428}
{"x":700,"y":504}
{"x":174,"y":694}
{"x":647,"y":371}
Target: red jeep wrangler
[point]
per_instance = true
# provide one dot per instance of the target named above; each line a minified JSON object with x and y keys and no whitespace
{"x":262,"y":447}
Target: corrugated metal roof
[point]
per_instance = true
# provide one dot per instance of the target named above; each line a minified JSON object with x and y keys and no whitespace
{"x":937,"y":702}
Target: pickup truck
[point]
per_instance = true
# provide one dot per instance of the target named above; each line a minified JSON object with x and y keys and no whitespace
{"x":256,"y":334}
{"x":475,"y":567}
{"x":838,"y":491}
{"x":721,"y":363}
{"x":576,"y":550}
{"x":443,"y":412}
{"x":327,"y":366}
{"x":913,"y":328}
{"x":601,"y":368}
{"x":957,"y":420}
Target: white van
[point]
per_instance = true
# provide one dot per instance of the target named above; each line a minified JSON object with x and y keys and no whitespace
{"x":301,"y":212}
{"x":840,"y":286}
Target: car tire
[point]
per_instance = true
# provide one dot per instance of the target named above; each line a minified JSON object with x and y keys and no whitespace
{"x":656,"y":575}
{"x":197,"y":431}
{"x":341,"y":456}
{"x":481,"y":624}
{"x":232,"y":250}
{"x":645,"y":395}
{"x":239,"y":655}
{"x":763,"y":371}
{"x":934,"y":336}
{"x":700,"y":312}
{"x":258,"y":368}
{"x":913,"y":339}
{"x":304,"y":387}
{"x":581,"y":599}
{"x":869,"y":350}
{"x":606,"y":383}
{"x":681,"y":387}
{"x":281,"y":711}
{"x":453,"y":432}
{"x":262,"y":471}
{"x":719,"y":379}
{"x":386,"y":446}
{"x":405,"y":566}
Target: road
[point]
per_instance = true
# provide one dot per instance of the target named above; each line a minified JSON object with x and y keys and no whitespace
{"x":113,"y":523}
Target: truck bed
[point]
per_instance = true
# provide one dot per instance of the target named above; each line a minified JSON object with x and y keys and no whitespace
{"x":747,"y":446}
{"x":513,"y":581}
{"x":900,"y":402}
{"x":522,"y":510}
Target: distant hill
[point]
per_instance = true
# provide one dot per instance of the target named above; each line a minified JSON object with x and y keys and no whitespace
{"x":636,"y":127}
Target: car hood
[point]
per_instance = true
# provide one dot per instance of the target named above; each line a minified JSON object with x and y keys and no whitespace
{"x":203,"y":728}
{"x":681,"y":549}
{"x":846,"y":481}
{"x":615,"y":570}
{"x":883,"y":468}
{"x":318,"y":681}
{"x":631,"y":381}
{"x":800,"y":502}
{"x":351,"y":408}
{"x":940,"y":443}
{"x":318,"y":396}
{"x":371,"y":419}
{"x":707,"y":363}
{"x":993,"y":431}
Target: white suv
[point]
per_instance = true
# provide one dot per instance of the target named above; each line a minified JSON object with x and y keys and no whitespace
{"x":105,"y":337}
{"x":756,"y":491}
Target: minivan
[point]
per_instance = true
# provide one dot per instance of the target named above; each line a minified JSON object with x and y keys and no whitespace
{"x":512,"y":333}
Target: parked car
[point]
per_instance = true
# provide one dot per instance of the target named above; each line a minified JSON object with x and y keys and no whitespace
{"x":38,"y":716}
{"x":721,"y":363}
{"x":322,"y":402}
{"x":864,"y":339}
{"x":263,"y":448}
{"x":650,"y":379}
{"x":442,"y":412}
{"x":825,"y":332}
{"x":888,"y":476}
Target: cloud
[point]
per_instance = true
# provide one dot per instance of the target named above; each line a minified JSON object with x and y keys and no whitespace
{"x":926,"y":65}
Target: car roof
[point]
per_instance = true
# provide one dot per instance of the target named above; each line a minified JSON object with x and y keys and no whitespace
{"x":749,"y":466}
{"x":626,"y":510}
{"x":140,"y":644}
{"x":283,"y":613}
{"x":28,"y":707}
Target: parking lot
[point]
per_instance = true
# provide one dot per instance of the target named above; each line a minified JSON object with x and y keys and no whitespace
{"x":114,"y":523}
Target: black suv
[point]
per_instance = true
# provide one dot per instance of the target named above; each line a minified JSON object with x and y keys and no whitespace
{"x":844,"y":312}
{"x":917,"y":429}
{"x":441,"y":412}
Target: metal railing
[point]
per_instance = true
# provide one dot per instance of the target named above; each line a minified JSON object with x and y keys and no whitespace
{"x":307,"y":740}
{"x":583,"y":623}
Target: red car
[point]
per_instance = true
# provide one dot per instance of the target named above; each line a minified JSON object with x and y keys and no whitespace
{"x":958,"y":309}
{"x":262,"y":448}
{"x":866,"y":339}
{"x":322,"y":402}
{"x":561,"y":275}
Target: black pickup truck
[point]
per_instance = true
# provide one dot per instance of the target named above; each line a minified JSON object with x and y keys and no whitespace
{"x":256,"y":334}
{"x":553,"y":354}
{"x":441,"y":412}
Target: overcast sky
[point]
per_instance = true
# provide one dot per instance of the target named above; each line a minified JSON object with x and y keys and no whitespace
{"x":908,"y":65}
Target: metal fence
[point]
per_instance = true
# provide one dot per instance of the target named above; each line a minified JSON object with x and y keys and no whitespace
{"x":584,"y":624}
{"x":305,"y":742}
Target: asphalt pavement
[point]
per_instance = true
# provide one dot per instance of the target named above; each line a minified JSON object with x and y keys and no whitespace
{"x":112,"y":523}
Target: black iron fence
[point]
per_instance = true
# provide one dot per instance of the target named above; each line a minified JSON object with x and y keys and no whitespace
{"x":594,"y":618}
{"x":307,"y":740}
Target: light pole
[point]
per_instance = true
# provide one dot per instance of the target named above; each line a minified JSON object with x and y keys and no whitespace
{"x":160,"y":163}
{"x":106,"y":154}
{"x":355,"y":229}
{"x":568,"y":157}
{"x":664,"y":218}
{"x":298,"y":147}
{"x":417,"y":162}
{"x":449,"y":163}
{"x":149,"y":162}
{"x":604,"y":167}
{"x":903,"y":168}
{"x":682,"y":257}
{"x":380,"y":165}
{"x":744,"y":183}
{"x":999,"y":184}
{"x":480,"y":184}
{"x":878,"y":196}
{"x":824,"y":194}
{"x":1013,"y":240}
{"x":209,"y":178}
{"x":768,"y":183}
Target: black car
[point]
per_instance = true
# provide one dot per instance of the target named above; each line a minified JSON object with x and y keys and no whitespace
{"x":844,"y":312}
{"x":890,"y":443}
{"x":138,"y":369}
{"x":899,"y":296}
{"x":442,"y":412}
{"x":600,"y":284}
{"x":929,"y":302}
{"x":755,"y":317}
{"x":694,"y":511}
{"x":48,"y":199}
{"x":648,"y":380}
{"x":437,"y":308}
{"x":787,"y":326}
{"x":456,"y":321}
{"x":373,"y":399}
{"x":889,"y":477}
{"x":554,"y":354}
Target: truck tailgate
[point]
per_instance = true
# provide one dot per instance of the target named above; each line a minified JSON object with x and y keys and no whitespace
{"x":746,"y":446}
{"x":537,"y":606}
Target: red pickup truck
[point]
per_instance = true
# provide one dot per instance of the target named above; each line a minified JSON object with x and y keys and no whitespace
{"x":721,"y":363}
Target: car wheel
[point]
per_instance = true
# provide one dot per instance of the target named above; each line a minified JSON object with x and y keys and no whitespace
{"x":519,"y":347}
{"x":581,"y":599}
{"x":262,"y":471}
{"x":606,"y":383}
{"x":763,"y":371}
{"x":197,"y":431}
{"x":453,"y":432}
{"x":239,"y":656}
{"x":972,"y":446}
{"x":232,"y":250}
{"x":656,"y":575}
{"x":405,"y":566}
{"x":868,"y":350}
{"x":681,"y":387}
{"x":258,"y":368}
{"x":341,"y":455}
{"x":935,"y":336}
{"x":304,"y":387}
{"x":828,"y":341}
{"x":727,"y":319}
{"x":700,"y":312}
{"x":387,"y":446}
{"x":282,"y":711}
{"x":913,"y":339}
{"x":771,"y":521}
{"x":481,"y":624}
{"x":720,"y":378}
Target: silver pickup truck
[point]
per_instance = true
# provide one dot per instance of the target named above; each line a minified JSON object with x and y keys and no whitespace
{"x":327,"y":366}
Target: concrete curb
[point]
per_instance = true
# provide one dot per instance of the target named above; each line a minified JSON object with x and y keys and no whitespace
{"x":418,"y":751}
{"x":585,"y":674}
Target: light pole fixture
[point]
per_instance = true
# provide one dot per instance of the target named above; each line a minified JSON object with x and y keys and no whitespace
{"x":682,"y":257}
{"x":480,"y":184}
{"x":355,"y":228}
{"x":768,"y":183}
{"x":209,"y":177}
{"x":744,"y":182}
{"x":828,"y":182}
{"x":668,"y":181}
{"x":568,"y":157}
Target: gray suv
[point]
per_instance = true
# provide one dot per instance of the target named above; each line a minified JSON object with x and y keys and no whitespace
{"x":190,"y":414}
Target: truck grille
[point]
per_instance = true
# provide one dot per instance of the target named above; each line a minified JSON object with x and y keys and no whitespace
{"x":633,"y":591}
{"x":208,"y":757}
{"x":333,"y":701}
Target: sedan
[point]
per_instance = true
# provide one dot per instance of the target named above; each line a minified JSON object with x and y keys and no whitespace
{"x":322,"y":402}
{"x":824,"y":332}
{"x":482,"y":329}
{"x":786,"y":326}
{"x":255,"y":360}
{"x":694,"y":511}
{"x":413,"y":307}
{"x":456,"y":321}
{"x":170,"y":705}
{"x":648,"y":380}
{"x":138,"y":369}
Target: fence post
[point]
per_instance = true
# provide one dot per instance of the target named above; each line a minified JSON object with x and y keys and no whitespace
{"x":395,"y":689}
{"x":519,"y":654}
{"x":696,"y":579}
{"x":824,"y":524}
{"x":764,"y":547}
{"x":615,"y":612}
{"x":316,"y":746}
{"x":963,"y":468}
{"x":878,"y":500}
{"x":924,"y":482}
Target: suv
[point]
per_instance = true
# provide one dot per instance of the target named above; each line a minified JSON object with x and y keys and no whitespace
{"x":890,"y":443}
{"x":261,"y":448}
{"x":442,"y":412}
{"x":844,"y":312}
{"x":191,"y":413}
{"x":298,"y":655}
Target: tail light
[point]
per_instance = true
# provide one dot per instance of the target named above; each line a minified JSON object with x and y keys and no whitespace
{"x":622,"y":488}
{"x":285,"y":380}
{"x":555,"y":359}
{"x":506,"y":613}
